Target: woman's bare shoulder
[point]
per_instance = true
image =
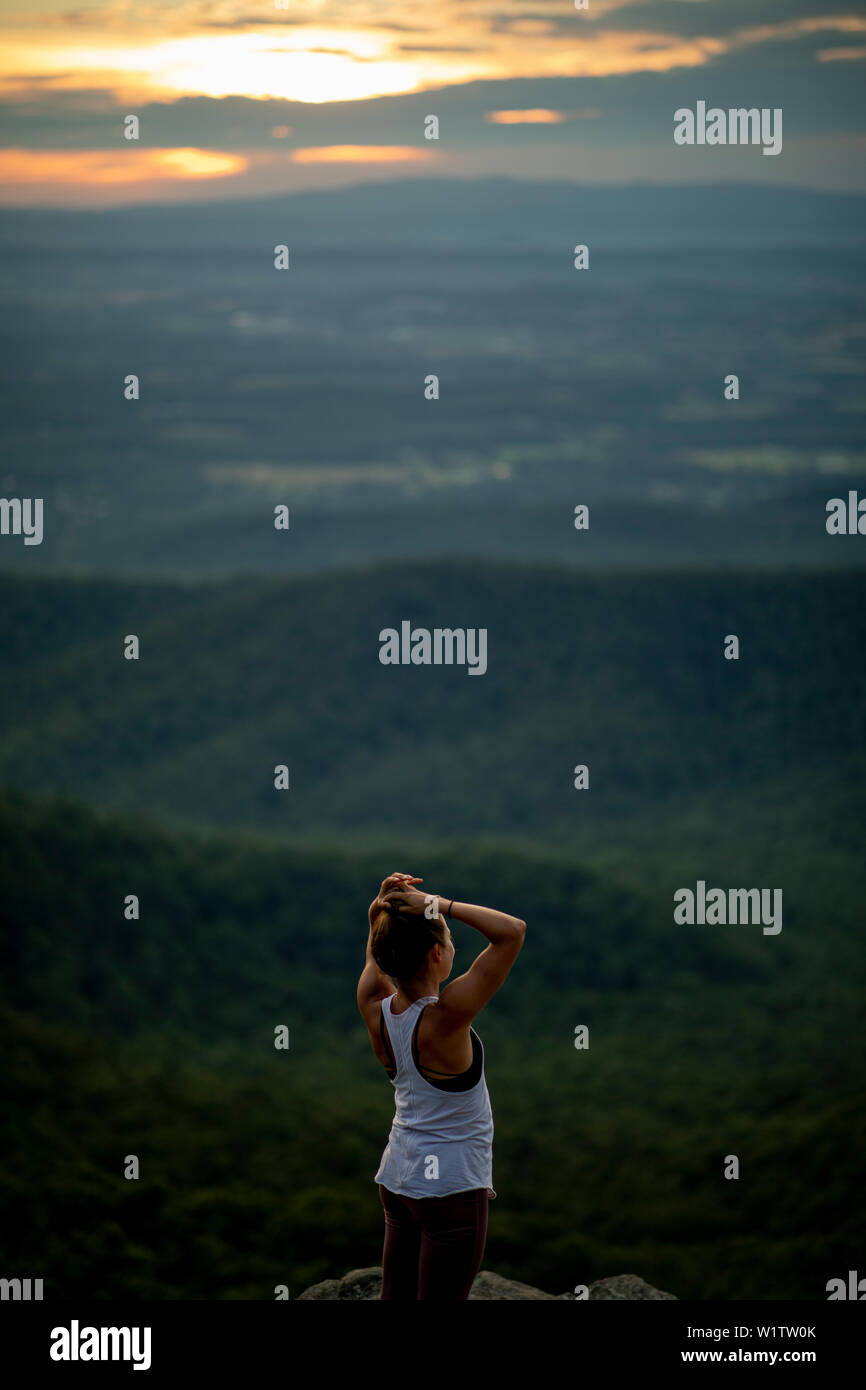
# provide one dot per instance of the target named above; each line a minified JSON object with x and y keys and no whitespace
{"x":442,"y":1022}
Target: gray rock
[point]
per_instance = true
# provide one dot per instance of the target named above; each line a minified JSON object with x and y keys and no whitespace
{"x":625,"y":1286}
{"x":360,"y":1284}
{"x":357,"y":1284}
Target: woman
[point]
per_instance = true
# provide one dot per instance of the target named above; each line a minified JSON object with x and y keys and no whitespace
{"x":437,"y":1169}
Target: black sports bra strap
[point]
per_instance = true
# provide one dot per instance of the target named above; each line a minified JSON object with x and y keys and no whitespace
{"x":385,"y":1039}
{"x":462,"y":1081}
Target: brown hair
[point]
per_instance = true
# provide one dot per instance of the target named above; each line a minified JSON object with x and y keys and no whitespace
{"x":401,"y":941}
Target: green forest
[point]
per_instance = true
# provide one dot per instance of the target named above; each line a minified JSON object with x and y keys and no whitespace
{"x":154,"y":1036}
{"x":622,"y":673}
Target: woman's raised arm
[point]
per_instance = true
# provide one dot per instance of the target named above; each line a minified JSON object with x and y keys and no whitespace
{"x":466,"y":996}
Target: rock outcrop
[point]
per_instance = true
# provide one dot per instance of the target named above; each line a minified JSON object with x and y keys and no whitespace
{"x":360,"y":1284}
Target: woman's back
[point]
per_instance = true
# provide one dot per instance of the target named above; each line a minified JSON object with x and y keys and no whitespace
{"x":442,"y":1054}
{"x":442,"y":1135}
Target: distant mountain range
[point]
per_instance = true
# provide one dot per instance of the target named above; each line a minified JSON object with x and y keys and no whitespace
{"x":471,"y":213}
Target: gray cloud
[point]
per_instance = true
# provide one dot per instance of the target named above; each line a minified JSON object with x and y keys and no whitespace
{"x":253,"y":22}
{"x":442,"y":47}
{"x":683,"y":19}
{"x":717,"y":18}
{"x":335,"y":52}
{"x":34,"y":79}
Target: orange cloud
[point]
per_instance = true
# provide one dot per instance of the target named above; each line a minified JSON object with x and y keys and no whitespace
{"x":359,"y":154}
{"x":534,"y":116}
{"x":833,"y":55}
{"x":102,"y":167}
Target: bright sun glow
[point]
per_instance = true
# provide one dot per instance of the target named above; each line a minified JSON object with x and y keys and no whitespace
{"x":287,"y":67}
{"x":260,"y":65}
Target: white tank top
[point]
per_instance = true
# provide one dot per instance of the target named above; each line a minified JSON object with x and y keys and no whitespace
{"x":441,"y":1142}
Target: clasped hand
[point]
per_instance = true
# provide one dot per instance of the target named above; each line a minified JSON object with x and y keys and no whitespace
{"x":396,"y":891}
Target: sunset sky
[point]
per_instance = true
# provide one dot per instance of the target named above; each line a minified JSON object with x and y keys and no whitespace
{"x":243,"y":99}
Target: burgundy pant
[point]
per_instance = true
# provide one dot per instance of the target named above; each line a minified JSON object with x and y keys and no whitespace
{"x":433,"y":1245}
